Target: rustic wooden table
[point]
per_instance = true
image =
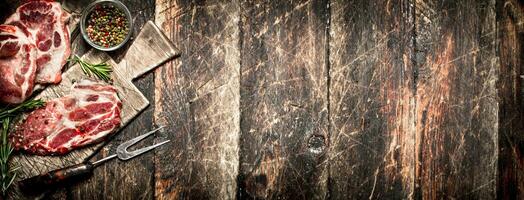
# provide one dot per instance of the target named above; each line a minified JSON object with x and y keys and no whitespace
{"x":339,"y":99}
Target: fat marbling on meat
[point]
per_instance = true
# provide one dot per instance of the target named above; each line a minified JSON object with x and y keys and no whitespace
{"x":45,"y":23}
{"x":17,"y":65}
{"x":86,"y":116}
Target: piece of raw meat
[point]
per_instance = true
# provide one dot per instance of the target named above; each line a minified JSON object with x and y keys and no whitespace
{"x":17,"y":65}
{"x":46,"y":25}
{"x":86,"y":116}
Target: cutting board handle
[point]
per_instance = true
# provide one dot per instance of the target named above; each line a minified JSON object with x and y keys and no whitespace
{"x":147,"y":47}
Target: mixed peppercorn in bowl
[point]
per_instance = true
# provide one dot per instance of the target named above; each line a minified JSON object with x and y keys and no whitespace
{"x":106,"y":24}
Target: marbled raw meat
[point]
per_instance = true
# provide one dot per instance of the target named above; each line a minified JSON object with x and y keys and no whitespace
{"x":86,"y":116}
{"x":17,"y":65}
{"x":45,"y":23}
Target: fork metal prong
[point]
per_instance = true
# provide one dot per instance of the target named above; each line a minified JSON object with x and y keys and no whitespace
{"x":121,"y":150}
{"x":137,"y":152}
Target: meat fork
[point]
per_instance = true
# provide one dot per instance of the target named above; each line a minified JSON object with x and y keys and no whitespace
{"x":40,"y":183}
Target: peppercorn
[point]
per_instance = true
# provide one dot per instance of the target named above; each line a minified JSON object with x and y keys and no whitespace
{"x":107,"y":26}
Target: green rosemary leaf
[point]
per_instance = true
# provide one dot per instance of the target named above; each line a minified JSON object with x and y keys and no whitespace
{"x":101,"y":70}
{"x":8,"y":173}
{"x":23,"y":107}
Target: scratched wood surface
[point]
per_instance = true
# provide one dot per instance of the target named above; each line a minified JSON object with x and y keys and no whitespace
{"x":328,"y":99}
{"x":197,"y":98}
{"x":456,"y":99}
{"x":510,"y":33}
{"x":283,"y":100}
{"x":371,"y":98}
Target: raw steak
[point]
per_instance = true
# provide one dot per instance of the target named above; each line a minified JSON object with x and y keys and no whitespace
{"x":46,"y":25}
{"x":17,"y":65}
{"x":86,"y":116}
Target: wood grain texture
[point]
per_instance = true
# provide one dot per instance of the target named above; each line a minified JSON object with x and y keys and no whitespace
{"x":328,"y":99}
{"x":510,"y":24}
{"x":371,"y":97}
{"x":283,"y":88}
{"x":197,"y":98}
{"x":456,"y":99}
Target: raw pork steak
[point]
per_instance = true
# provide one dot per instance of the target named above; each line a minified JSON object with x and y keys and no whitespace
{"x":87,"y":115}
{"x":46,"y":24}
{"x":17,"y":65}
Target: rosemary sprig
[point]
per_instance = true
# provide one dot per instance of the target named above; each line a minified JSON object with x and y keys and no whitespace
{"x":24,"y":107}
{"x":8,"y":174}
{"x":100,"y":70}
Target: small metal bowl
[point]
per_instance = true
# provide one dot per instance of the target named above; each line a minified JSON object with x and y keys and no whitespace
{"x":87,"y":11}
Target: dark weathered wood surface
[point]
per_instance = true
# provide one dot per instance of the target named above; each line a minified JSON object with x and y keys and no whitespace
{"x":197,"y":99}
{"x":328,"y":99}
{"x":371,"y":97}
{"x":283,"y":99}
{"x":456,"y":99}
{"x":510,"y":35}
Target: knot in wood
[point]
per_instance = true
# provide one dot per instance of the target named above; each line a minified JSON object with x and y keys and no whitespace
{"x":317,"y":144}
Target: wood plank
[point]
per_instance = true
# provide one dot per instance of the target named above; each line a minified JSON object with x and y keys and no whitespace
{"x":371,"y":100}
{"x":134,"y":178}
{"x":456,"y":99}
{"x":284,"y":104}
{"x":197,"y":98}
{"x":510,"y":23}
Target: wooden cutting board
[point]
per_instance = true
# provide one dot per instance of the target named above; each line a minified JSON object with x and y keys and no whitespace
{"x":150,"y":49}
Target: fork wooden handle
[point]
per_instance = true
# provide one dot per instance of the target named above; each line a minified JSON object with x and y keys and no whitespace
{"x":40,"y":183}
